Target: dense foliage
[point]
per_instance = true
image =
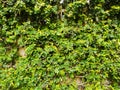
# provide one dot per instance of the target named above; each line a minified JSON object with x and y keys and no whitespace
{"x":45,"y":45}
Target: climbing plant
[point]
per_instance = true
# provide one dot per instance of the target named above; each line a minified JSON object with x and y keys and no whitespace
{"x":48,"y":45}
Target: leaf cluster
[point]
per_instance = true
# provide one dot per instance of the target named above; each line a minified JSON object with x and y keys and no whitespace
{"x":38,"y":51}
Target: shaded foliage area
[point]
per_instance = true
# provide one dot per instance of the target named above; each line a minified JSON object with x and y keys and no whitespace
{"x":45,"y":45}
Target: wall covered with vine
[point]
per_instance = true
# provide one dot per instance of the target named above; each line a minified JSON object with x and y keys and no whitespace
{"x":59,"y":44}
